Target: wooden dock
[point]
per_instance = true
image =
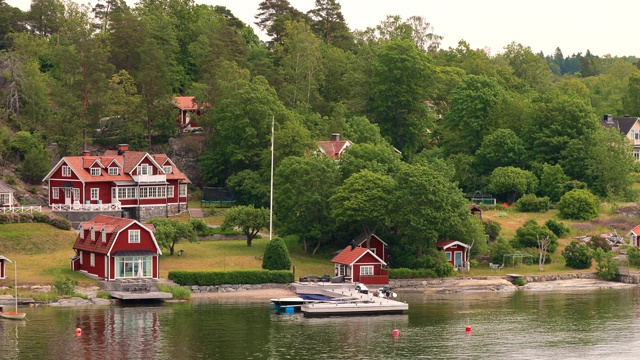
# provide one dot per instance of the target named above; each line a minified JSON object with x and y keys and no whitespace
{"x":135,"y":289}
{"x":354,"y":302}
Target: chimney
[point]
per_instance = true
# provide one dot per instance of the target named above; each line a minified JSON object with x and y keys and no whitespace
{"x":353,"y":244}
{"x":335,"y":137}
{"x":122,"y":148}
{"x":608,"y":118}
{"x":85,"y":153}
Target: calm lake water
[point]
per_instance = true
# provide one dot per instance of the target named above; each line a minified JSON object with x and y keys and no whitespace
{"x":597,"y":324}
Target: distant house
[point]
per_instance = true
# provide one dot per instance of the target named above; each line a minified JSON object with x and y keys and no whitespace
{"x":634,"y":236}
{"x":628,"y":126}
{"x":6,"y":195}
{"x":475,"y":210}
{"x":114,"y":248}
{"x":142,"y":184}
{"x":188,"y":112}
{"x":3,"y":267}
{"x":375,"y":244}
{"x":360,"y":265}
{"x":456,"y":252}
{"x":333,"y":148}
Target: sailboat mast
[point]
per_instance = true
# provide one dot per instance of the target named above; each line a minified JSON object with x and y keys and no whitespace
{"x":271,"y":195}
{"x":15,"y":282}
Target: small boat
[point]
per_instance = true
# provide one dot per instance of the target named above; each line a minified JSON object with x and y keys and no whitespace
{"x":14,"y":315}
{"x":298,"y":301}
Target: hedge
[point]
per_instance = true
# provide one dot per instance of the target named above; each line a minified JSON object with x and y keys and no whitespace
{"x":212,"y":278}
{"x":404,"y":273}
{"x":36,"y":217}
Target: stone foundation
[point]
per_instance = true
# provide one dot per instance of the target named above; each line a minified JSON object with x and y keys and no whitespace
{"x":236,"y":288}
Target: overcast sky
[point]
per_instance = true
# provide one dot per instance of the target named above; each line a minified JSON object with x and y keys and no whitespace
{"x":574,"y":26}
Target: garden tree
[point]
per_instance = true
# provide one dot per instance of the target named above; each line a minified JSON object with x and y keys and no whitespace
{"x":302,"y":188}
{"x":607,"y":265}
{"x":529,"y":68}
{"x":45,"y":17}
{"x":360,"y":130}
{"x":81,"y":74}
{"x":364,"y":201}
{"x":577,"y":256}
{"x":499,"y":149}
{"x":599,"y":242}
{"x":610,"y":164}
{"x":499,"y":249}
{"x":557,"y":227}
{"x":36,"y":165}
{"x":328,"y":23}
{"x":552,"y":180}
{"x":169,"y":232}
{"x":301,"y":63}
{"x":530,"y":232}
{"x":543,"y":245}
{"x":381,"y":159}
{"x":402,"y":75}
{"x":276,"y":256}
{"x":578,"y":204}
{"x":468,"y":120}
{"x":492,"y":229}
{"x":273,"y":15}
{"x":250,"y":187}
{"x":511,"y":182}
{"x":428,"y":207}
{"x":633,"y":255}
{"x":249,"y":219}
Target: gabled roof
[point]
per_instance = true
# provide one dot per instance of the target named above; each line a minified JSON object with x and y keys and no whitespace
{"x":333,"y":148}
{"x":112,"y":226}
{"x":622,"y":124}
{"x":444,"y":244}
{"x":349,"y":256}
{"x":362,"y":238}
{"x":4,"y":188}
{"x":185,"y":102}
{"x":635,"y":230}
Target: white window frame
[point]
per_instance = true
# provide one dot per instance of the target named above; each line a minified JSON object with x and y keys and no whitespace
{"x":93,"y":234}
{"x":134,"y":236}
{"x":55,"y":193}
{"x":143,"y":169}
{"x":113,"y":171}
{"x":449,"y":256}
{"x":167,"y":169}
{"x":182,"y":191}
{"x":95,"y":171}
{"x":366,"y":270}
{"x":5,"y":198}
{"x":95,"y":193}
{"x":81,"y":232}
{"x":126,"y":193}
{"x":66,"y":171}
{"x":104,"y":235}
{"x":170,"y":191}
{"x":92,"y":260}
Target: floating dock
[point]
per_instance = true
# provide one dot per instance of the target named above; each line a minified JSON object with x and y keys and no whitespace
{"x":353,"y":302}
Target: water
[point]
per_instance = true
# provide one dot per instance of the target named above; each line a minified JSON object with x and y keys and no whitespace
{"x":582,"y":325}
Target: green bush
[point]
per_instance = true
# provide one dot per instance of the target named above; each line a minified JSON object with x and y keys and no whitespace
{"x":519,"y":281}
{"x":527,"y":236}
{"x":178,"y":292}
{"x":532,"y":203}
{"x":577,"y":256}
{"x":499,"y":249}
{"x":213,"y":278}
{"x":65,"y":286}
{"x":598,"y":242}
{"x":557,"y":227}
{"x":405,"y":273}
{"x":491,"y":228}
{"x":276,"y":256}
{"x":578,"y":204}
{"x":607,"y":267}
{"x":36,"y":165}
{"x":199,"y":226}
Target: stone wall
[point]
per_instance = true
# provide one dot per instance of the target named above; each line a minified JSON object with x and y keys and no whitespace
{"x":236,"y":288}
{"x":414,"y":283}
{"x":160,"y":211}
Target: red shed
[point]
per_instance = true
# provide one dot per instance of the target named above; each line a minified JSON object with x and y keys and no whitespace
{"x":3,"y":267}
{"x":359,"y":264}
{"x":115,"y":248}
{"x":456,"y":252}
{"x":375,"y":244}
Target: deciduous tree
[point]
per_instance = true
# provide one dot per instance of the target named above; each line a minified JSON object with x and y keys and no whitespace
{"x":247,"y":218}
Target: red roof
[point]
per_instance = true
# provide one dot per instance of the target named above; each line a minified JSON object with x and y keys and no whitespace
{"x":333,"y":148}
{"x":636,"y":230}
{"x":111,"y":225}
{"x":349,"y":256}
{"x":185,"y":102}
{"x":448,"y":243}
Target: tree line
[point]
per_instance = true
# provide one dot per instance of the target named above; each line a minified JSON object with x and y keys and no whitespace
{"x":429,"y":124}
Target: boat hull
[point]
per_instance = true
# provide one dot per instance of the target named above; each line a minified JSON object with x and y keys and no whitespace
{"x":13,"y":315}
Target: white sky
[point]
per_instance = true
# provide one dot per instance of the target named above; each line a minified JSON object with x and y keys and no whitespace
{"x":574,"y":26}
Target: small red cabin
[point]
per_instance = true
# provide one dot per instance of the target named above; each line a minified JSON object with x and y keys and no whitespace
{"x":113,"y":248}
{"x":456,"y":252}
{"x":375,"y":244}
{"x":3,"y":267}
{"x":360,"y":265}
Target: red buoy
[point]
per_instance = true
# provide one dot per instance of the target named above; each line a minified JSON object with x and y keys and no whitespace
{"x":78,"y":331}
{"x":395,"y":332}
{"x":467,"y":329}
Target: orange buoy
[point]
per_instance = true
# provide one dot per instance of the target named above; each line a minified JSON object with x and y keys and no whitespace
{"x":467,"y":329}
{"x":395,"y":332}
{"x":78,"y":331}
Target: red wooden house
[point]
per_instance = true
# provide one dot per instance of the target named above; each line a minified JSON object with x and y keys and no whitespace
{"x":456,"y":252}
{"x":115,"y":248}
{"x":634,"y":236}
{"x":142,"y":184}
{"x":335,"y":147}
{"x":360,"y":265}
{"x":375,"y":244}
{"x":3,"y":267}
{"x":188,"y":111}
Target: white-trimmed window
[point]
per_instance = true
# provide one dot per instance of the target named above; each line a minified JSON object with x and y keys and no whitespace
{"x":183,"y":191}
{"x":448,"y":256}
{"x":95,"y":171}
{"x":167,"y":169}
{"x":5,"y":198}
{"x":66,"y":171}
{"x":114,"y":171}
{"x":104,"y":235}
{"x":126,"y":193}
{"x":55,"y":193}
{"x":366,"y":270}
{"x":95,"y":193}
{"x":93,"y":234}
{"x":152,"y":192}
{"x":144,"y":169}
{"x":134,"y":236}
{"x":92,"y":259}
{"x":81,"y":232}
{"x":170,"y":189}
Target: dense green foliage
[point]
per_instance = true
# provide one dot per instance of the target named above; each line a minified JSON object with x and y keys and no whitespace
{"x":39,"y":217}
{"x":557,"y":227}
{"x":578,"y":204}
{"x":246,"y":218}
{"x":532,"y":203}
{"x":276,"y":256}
{"x":633,"y":255}
{"x":178,"y":292}
{"x":530,"y":232}
{"x":577,"y":256}
{"x":607,"y":265}
{"x":214,"y":278}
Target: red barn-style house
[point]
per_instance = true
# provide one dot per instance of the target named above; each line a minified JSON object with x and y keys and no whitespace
{"x":360,"y":265}
{"x":188,"y":111}
{"x":456,"y":251}
{"x":375,"y":244}
{"x":114,"y":248}
{"x":142,"y":184}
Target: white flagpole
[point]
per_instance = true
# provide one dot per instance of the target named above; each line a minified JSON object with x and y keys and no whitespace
{"x":271,"y":200}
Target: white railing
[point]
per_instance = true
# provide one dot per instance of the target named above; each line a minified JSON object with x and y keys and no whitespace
{"x":21,"y":209}
{"x":86,"y":207}
{"x":149,"y":178}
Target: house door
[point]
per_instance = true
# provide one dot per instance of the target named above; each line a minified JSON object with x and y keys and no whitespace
{"x":457,"y":259}
{"x":67,"y":196}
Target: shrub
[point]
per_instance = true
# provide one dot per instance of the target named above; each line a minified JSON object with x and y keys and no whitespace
{"x":276,"y":256}
{"x":532,"y":203}
{"x":65,"y":286}
{"x":436,"y":261}
{"x":213,"y":278}
{"x":499,"y":249}
{"x":527,"y":236}
{"x":519,"y":281}
{"x":607,"y":267}
{"x":405,"y":273}
{"x":491,"y":228}
{"x":178,"y":292}
{"x":598,"y":242}
{"x":577,"y":256}
{"x":633,"y":255}
{"x":199,"y":226}
{"x":557,"y":227}
{"x":578,"y":204}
